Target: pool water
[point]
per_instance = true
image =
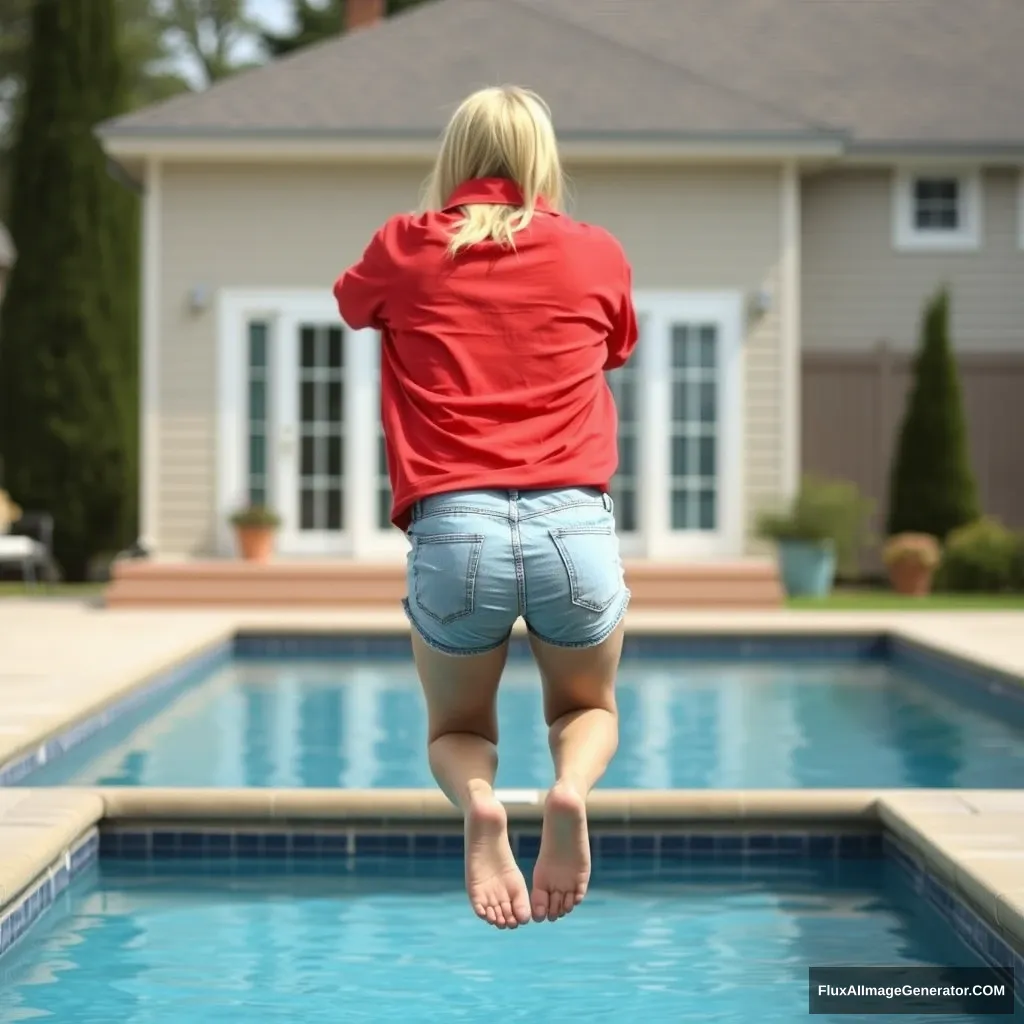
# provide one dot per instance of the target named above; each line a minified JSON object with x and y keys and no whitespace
{"x":397,"y":941}
{"x":684,"y":724}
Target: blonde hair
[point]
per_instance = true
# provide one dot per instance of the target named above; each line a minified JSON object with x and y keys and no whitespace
{"x":502,"y":132}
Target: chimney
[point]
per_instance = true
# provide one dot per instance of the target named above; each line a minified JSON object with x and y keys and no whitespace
{"x":361,"y":13}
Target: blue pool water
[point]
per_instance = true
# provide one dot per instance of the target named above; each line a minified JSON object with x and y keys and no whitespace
{"x":685,"y":724}
{"x":708,"y":942}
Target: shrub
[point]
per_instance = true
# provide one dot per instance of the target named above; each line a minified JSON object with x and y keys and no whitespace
{"x":256,"y":516}
{"x":823,"y":512}
{"x":1017,"y":565}
{"x":69,"y":323}
{"x":979,"y":558}
{"x":932,"y":488}
{"x":921,"y":548}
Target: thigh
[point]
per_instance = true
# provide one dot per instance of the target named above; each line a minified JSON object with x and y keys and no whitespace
{"x":461,"y":692}
{"x":462,"y":591}
{"x":576,"y":593}
{"x":578,"y":678}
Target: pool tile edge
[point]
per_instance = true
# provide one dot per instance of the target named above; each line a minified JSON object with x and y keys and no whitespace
{"x":57,"y":837}
{"x":976,"y":855}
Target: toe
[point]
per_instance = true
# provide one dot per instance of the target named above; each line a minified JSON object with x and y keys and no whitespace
{"x":540,"y":905}
{"x":555,"y":906}
{"x":506,"y":913}
{"x":521,"y":907}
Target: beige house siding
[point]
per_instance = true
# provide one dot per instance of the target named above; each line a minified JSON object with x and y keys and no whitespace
{"x":858,"y":290}
{"x":694,"y":229}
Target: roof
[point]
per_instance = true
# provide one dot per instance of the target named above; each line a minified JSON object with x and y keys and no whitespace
{"x":877,"y":73}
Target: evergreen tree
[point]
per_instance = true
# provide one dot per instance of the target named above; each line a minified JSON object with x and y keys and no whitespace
{"x":317,"y":21}
{"x":68,"y":325}
{"x":932,"y":488}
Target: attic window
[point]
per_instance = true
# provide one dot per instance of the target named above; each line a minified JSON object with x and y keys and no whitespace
{"x":937,"y":210}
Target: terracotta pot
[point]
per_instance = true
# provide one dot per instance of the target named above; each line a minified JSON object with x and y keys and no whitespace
{"x":255,"y":543}
{"x":908,"y":576}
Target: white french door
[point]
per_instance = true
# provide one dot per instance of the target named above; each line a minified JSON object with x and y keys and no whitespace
{"x":302,"y":431}
{"x":678,"y":492}
{"x":299,"y":427}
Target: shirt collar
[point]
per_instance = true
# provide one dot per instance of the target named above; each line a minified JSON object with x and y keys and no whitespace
{"x":490,"y":192}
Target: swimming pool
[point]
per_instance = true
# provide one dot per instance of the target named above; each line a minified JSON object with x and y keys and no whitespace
{"x":378,"y":939}
{"x":771,"y":722}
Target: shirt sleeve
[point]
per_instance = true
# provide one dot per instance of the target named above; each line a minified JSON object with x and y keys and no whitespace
{"x":623,"y":337}
{"x":360,"y":290}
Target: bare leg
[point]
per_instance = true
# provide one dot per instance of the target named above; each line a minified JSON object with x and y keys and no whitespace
{"x":583,"y":723}
{"x":463,"y":736}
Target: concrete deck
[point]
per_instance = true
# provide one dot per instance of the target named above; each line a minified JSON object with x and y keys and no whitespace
{"x":62,"y":661}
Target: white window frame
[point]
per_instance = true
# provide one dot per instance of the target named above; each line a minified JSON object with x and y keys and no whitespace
{"x":908,"y":238}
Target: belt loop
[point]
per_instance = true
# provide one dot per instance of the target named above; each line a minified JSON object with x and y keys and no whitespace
{"x":606,"y":501}
{"x":417,"y":511}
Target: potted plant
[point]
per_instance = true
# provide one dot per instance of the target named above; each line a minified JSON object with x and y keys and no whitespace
{"x":820,"y":532}
{"x":911,"y":559}
{"x":255,"y":529}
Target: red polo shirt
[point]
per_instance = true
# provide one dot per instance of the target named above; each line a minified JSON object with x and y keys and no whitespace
{"x":492,"y":362}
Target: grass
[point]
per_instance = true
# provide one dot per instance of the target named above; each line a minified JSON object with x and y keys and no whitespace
{"x":886,"y":600}
{"x":18,"y":589}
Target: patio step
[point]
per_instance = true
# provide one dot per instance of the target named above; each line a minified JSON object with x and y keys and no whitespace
{"x":747,"y":584}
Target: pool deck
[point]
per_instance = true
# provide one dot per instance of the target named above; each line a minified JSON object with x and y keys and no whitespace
{"x":61,"y":661}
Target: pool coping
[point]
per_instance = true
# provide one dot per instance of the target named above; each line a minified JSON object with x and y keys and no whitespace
{"x":953,"y":843}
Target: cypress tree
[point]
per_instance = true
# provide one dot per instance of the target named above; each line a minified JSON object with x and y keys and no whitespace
{"x":69,"y":323}
{"x":932,"y":488}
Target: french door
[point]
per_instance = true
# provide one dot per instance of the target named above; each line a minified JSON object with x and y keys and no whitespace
{"x":300,"y":427}
{"x":678,"y":491}
{"x":311,"y":445}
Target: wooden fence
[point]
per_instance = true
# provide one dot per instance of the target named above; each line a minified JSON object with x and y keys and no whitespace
{"x":853,"y":404}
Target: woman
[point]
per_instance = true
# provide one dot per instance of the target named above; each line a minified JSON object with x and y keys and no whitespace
{"x":499,"y":316}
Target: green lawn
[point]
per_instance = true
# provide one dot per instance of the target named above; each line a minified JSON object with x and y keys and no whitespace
{"x":16,"y":589}
{"x":885,"y":600}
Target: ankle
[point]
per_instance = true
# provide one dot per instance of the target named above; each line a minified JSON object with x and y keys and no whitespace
{"x":479,"y":791}
{"x":575,"y":783}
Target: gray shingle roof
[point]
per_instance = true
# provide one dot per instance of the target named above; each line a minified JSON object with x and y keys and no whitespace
{"x":942,"y":72}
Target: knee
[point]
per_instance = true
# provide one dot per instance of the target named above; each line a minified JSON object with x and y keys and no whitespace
{"x":557,"y":710}
{"x":483,"y":726}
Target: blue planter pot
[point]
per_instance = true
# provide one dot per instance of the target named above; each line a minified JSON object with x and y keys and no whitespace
{"x":807,"y":569}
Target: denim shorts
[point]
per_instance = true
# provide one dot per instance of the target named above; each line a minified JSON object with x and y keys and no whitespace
{"x":481,"y":559}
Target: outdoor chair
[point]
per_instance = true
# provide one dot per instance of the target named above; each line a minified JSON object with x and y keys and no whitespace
{"x":28,"y":543}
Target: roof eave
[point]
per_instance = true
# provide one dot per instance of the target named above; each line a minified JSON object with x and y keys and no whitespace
{"x":290,"y":147}
{"x":989,"y":152}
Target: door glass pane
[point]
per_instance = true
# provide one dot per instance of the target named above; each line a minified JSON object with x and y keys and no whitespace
{"x":383,"y":481}
{"x":321,"y":427}
{"x":694,"y":427}
{"x":257,"y":358}
{"x":625,"y":387}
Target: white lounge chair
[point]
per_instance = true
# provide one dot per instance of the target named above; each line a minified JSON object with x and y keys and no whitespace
{"x":28,"y":543}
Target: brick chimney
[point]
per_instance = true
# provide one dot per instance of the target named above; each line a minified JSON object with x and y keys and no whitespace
{"x":361,"y":13}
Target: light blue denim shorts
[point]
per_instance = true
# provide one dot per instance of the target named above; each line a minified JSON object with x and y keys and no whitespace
{"x":481,"y":559}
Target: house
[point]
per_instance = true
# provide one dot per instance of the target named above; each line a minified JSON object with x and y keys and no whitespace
{"x":790,"y":180}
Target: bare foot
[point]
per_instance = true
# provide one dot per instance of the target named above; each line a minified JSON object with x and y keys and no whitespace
{"x":562,"y":873}
{"x":494,"y":883}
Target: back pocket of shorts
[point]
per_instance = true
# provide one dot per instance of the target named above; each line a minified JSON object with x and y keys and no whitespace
{"x":590,"y":555}
{"x":444,"y":569}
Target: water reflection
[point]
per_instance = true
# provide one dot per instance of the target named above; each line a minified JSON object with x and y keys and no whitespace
{"x":683,"y":725}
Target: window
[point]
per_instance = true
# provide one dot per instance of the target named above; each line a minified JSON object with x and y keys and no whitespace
{"x":936,"y":210}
